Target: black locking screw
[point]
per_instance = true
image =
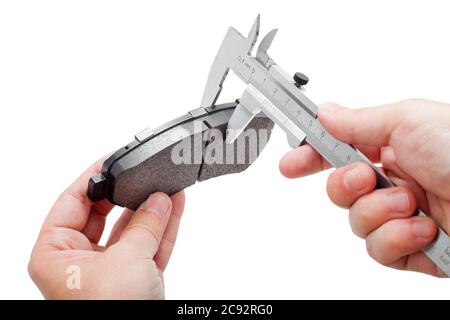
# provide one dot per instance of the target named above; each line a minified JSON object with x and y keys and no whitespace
{"x":300,"y":79}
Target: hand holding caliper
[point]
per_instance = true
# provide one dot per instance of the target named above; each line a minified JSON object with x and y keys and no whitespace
{"x":272,"y":91}
{"x":411,"y":140}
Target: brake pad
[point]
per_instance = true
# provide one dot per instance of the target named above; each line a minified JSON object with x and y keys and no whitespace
{"x":177,"y":154}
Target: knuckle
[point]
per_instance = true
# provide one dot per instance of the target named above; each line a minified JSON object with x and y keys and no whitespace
{"x":404,"y":107}
{"x":360,"y":221}
{"x":390,"y":242}
{"x":377,"y":251}
{"x":168,"y":243}
{"x":122,"y":248}
{"x":387,"y":157}
{"x":357,"y":231}
{"x":331,"y":186}
{"x":374,"y":252}
{"x":331,"y":181}
{"x":352,"y":127}
{"x":413,"y":102}
{"x":410,"y":205}
{"x":36,"y":268}
{"x":144,"y":211}
{"x":142,"y":227}
{"x":335,"y":194}
{"x":367,"y":176}
{"x":371,"y":250}
{"x":32,"y":268}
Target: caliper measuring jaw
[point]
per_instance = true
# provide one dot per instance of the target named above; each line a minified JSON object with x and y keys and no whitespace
{"x":235,"y":54}
{"x":233,"y":44}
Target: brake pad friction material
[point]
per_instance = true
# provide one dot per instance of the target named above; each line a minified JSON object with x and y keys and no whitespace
{"x":211,"y":170}
{"x":155,"y":173}
{"x":146,"y":165}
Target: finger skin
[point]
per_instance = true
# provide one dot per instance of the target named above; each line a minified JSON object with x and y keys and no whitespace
{"x":345,"y":185}
{"x":369,"y":126}
{"x":380,"y":206}
{"x":95,"y":224}
{"x":146,"y":228}
{"x":72,"y":208}
{"x":302,"y":161}
{"x":119,"y":226}
{"x":397,"y":238}
{"x":170,"y":235}
{"x":178,"y":200}
{"x":401,"y":178}
{"x":418,"y":262}
{"x":391,"y":232}
{"x":74,"y":220}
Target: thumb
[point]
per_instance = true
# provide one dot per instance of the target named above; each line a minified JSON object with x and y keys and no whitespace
{"x":368,"y":126}
{"x":146,"y":228}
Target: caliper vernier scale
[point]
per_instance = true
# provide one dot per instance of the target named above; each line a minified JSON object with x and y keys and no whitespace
{"x":271,"y":90}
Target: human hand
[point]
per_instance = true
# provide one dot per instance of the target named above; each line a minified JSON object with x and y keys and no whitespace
{"x":132,"y":263}
{"x":411,"y":139}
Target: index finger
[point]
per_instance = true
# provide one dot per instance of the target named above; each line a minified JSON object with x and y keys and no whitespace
{"x":304,"y":160}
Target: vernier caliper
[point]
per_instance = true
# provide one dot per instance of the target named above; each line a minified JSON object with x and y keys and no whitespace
{"x":271,"y":91}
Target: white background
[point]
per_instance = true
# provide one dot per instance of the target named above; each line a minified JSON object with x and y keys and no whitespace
{"x":79,"y":78}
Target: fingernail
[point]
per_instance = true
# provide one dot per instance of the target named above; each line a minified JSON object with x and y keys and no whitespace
{"x":328,"y":107}
{"x":157,"y":203}
{"x":353,"y":180}
{"x":398,"y":201}
{"x":423,"y":228}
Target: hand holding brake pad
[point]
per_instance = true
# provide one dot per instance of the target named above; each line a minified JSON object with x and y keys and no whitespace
{"x":176,"y":155}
